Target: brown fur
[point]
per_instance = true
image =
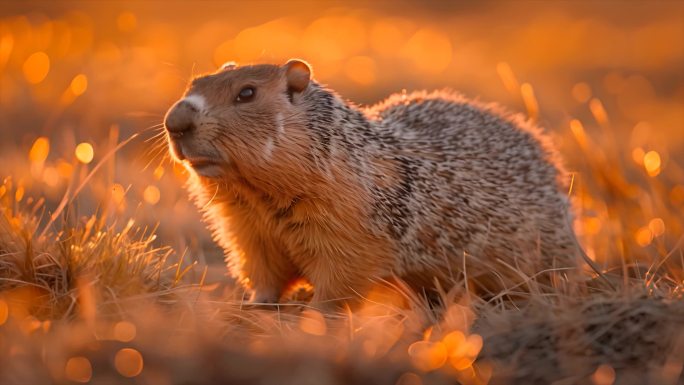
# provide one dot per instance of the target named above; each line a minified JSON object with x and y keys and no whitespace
{"x":300,"y":184}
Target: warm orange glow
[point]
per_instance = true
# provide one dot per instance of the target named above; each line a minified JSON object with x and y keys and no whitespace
{"x":128,"y":362}
{"x":592,"y":226}
{"x":427,"y":355}
{"x":39,"y":150}
{"x":331,"y":38}
{"x":64,"y":168}
{"x":4,"y":312}
{"x":51,"y":176}
{"x":508,"y":77}
{"x":126,"y":21}
{"x":409,"y":378}
{"x":578,"y":131}
{"x":79,"y":84}
{"x":266,"y":41}
{"x":604,"y":375}
{"x":455,"y":342}
{"x":657,"y":226}
{"x":385,"y":36}
{"x":429,"y":50}
{"x":224,"y":52}
{"x":19,"y":194}
{"x":643,"y":236}
{"x":581,"y":92}
{"x":84,"y":152}
{"x":474,"y":343}
{"x":118,"y":194}
{"x":530,"y":101}
{"x":158,"y":172}
{"x":86,"y":300}
{"x":602,"y":83}
{"x":124,"y":331}
{"x":151,"y":194}
{"x":36,"y":67}
{"x":598,"y":111}
{"x":638,"y":156}
{"x":677,"y":195}
{"x":30,"y":324}
{"x":613,"y":82}
{"x":462,"y":350}
{"x":652,"y":163}
{"x":427,"y":333}
{"x":360,"y":69}
{"x":6,"y":45}
{"x":78,"y":369}
{"x":313,"y":322}
{"x":461,"y":362}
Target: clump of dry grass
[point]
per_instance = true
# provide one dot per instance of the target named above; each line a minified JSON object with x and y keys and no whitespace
{"x":101,"y":304}
{"x":47,"y":271}
{"x":97,"y":300}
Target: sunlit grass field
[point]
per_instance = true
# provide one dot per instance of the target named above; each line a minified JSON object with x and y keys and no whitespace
{"x":108,"y":276}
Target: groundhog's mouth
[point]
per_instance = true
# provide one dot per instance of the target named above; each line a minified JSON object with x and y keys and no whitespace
{"x":204,"y":166}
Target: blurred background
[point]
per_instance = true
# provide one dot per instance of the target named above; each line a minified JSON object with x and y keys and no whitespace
{"x":604,"y":78}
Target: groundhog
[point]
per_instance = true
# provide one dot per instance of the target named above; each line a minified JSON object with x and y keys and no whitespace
{"x":295,"y":183}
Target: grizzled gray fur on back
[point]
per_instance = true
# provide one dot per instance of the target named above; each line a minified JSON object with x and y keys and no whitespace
{"x":428,"y":187}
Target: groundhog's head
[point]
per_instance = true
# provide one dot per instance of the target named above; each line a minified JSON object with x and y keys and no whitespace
{"x":242,"y":121}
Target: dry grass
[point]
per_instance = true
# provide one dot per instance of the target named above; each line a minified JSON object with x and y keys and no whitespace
{"x":85,"y":301}
{"x":123,"y":285}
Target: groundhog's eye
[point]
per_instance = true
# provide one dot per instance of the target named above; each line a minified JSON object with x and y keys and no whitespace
{"x":246,"y":94}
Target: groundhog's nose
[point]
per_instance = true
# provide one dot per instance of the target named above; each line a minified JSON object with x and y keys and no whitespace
{"x":180,"y":119}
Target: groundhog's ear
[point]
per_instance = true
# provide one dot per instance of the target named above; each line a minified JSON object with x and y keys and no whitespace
{"x":229,"y":65}
{"x":298,"y":74}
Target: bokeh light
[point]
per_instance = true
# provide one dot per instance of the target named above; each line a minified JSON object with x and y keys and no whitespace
{"x":604,"y":375}
{"x":79,"y":84}
{"x":644,"y":236}
{"x":84,"y":152}
{"x":151,"y":194}
{"x":124,"y":331}
{"x":128,"y":362}
{"x":508,"y":77}
{"x":581,"y":92}
{"x":118,"y":194}
{"x":598,"y":111}
{"x":427,"y":355}
{"x":82,"y":76}
{"x":19,"y":193}
{"x":158,"y":172}
{"x":78,"y":369}
{"x":429,"y":50}
{"x":313,"y":322}
{"x":652,"y":163}
{"x":36,"y":67}
{"x":657,"y":226}
{"x":409,"y":378}
{"x":530,"y":101}
{"x":39,"y":150}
